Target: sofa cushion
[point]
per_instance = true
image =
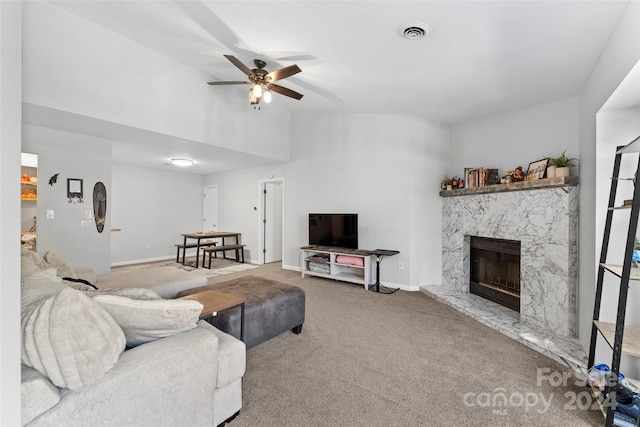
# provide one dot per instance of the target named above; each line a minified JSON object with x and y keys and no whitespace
{"x":167,"y":281}
{"x":37,"y":394}
{"x":40,"y":285}
{"x":133,"y":293}
{"x":67,"y":336}
{"x":144,"y":321}
{"x":31,"y":262}
{"x":60,"y":264}
{"x":232,"y":356}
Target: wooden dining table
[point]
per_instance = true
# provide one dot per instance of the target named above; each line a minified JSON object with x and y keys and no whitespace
{"x":199,"y":236}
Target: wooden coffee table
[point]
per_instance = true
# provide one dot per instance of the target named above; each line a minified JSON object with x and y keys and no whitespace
{"x":215,"y":302}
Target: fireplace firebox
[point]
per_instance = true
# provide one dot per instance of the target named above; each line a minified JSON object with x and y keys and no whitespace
{"x":495,"y":270}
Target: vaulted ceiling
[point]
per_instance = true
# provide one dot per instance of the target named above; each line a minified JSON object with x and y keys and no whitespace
{"x":480,"y":58}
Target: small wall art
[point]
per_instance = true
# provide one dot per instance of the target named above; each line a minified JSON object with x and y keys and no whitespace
{"x":100,"y":205}
{"x":74,"y":190}
{"x":537,"y":169}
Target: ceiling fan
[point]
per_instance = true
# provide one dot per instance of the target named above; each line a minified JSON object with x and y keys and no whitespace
{"x":262,"y":80}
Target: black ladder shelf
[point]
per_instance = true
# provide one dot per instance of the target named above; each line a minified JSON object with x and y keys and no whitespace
{"x":614,"y":332}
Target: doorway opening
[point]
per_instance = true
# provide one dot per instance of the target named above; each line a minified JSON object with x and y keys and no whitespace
{"x":210,"y":208}
{"x":271,"y":221}
{"x":29,"y":200}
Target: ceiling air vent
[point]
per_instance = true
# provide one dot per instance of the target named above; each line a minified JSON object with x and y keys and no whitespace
{"x":414,"y":30}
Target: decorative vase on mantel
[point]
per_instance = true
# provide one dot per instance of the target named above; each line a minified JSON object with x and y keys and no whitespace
{"x":563,"y":171}
{"x":551,"y":171}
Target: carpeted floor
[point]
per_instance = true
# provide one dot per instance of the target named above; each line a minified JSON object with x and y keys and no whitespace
{"x":368,"y":359}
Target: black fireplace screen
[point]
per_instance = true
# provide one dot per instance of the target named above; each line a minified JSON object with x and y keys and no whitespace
{"x":495,"y":270}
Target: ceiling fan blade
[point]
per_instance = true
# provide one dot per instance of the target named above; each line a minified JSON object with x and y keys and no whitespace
{"x":235,"y":61}
{"x":229,"y":83}
{"x":283,"y":73}
{"x":286,"y":92}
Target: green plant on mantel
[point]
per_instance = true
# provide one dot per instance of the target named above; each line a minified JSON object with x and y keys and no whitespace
{"x":562,"y":161}
{"x":446,"y":181}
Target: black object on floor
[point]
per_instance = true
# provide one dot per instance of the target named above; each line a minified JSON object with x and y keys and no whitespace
{"x":381,"y":253}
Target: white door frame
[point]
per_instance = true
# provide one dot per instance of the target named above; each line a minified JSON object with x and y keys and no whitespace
{"x":261,"y":226}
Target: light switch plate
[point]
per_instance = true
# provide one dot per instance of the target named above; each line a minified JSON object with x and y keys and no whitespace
{"x":49,"y":214}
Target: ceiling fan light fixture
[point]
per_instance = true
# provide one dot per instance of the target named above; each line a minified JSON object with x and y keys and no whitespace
{"x":261,"y":81}
{"x":257,"y":90}
{"x":414,"y":30}
{"x":253,"y":99}
{"x":181,"y":162}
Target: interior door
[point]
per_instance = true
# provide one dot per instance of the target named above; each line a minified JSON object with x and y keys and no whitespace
{"x":210,"y":208}
{"x":272,"y":221}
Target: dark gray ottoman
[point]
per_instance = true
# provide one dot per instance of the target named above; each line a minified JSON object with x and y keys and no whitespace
{"x":271,"y":308}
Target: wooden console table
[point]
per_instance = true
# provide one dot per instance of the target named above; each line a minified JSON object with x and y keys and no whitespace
{"x":215,"y":302}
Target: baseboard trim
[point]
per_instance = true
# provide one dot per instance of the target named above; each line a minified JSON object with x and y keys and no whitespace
{"x":142,"y":261}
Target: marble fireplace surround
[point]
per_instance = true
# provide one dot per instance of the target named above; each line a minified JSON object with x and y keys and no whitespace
{"x":543,"y":216}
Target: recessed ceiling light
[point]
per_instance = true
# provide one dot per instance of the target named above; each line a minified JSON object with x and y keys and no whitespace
{"x":181,"y":162}
{"x":414,"y":30}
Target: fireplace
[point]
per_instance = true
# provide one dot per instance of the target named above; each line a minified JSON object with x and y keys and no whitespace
{"x":495,"y":270}
{"x":545,"y":222}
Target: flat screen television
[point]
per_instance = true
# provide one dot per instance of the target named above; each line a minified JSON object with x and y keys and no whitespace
{"x":333,"y":229}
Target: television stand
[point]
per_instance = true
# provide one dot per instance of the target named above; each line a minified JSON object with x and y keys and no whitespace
{"x":346,"y":265}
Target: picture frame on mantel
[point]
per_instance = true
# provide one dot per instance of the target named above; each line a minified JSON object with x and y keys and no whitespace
{"x":539,"y":168}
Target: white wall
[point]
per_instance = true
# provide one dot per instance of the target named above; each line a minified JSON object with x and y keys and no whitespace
{"x":152,"y":208}
{"x":516,"y":138}
{"x":71,"y":155}
{"x":385,"y":168}
{"x":10,"y":133}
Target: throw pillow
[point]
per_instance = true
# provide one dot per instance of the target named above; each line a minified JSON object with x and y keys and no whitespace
{"x":144,"y":321}
{"x":56,"y":261}
{"x":133,"y":293}
{"x":31,"y":262}
{"x":40,"y":285}
{"x":70,"y":339}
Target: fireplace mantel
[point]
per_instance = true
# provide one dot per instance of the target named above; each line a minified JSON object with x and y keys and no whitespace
{"x":561,"y":181}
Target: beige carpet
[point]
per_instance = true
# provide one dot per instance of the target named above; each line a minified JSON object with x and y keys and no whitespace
{"x":368,"y":359}
{"x":219,"y":266}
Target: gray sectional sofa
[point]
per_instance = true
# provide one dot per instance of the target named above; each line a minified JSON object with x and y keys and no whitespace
{"x":121,"y":356}
{"x":189,"y":379}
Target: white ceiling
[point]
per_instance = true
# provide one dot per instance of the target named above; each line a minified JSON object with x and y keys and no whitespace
{"x":482,"y":57}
